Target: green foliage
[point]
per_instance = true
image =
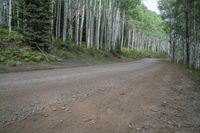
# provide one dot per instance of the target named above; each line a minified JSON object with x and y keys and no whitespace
{"x":135,"y":54}
{"x":57,"y":43}
{"x":192,"y":73}
{"x":15,"y":56}
{"x":195,"y":74}
{"x":182,"y":19}
{"x":79,"y":54}
{"x":34,"y":17}
{"x":75,"y":54}
{"x":128,"y":4}
{"x":13,"y":37}
{"x":146,"y":21}
{"x":38,"y":16}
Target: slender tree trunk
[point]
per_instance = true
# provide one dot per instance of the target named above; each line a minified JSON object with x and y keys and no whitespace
{"x":65,"y":21}
{"x":98,"y":23}
{"x":52,"y":19}
{"x":77,"y":23}
{"x":58,"y":19}
{"x":10,"y":16}
{"x":82,"y":22}
{"x":102,"y":34}
{"x":173,"y":48}
{"x":129,"y":38}
{"x":18,"y":23}
{"x":92,"y":22}
{"x":187,"y":37}
{"x":123,"y":25}
{"x":109,"y":26}
{"x":70,"y":21}
{"x":88,"y":7}
{"x":132,"y":40}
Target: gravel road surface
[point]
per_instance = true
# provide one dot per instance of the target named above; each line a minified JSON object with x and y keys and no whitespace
{"x":123,"y":97}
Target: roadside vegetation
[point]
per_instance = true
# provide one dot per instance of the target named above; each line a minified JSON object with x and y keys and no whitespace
{"x":193,"y":73}
{"x":182,"y":20}
{"x":77,"y":31}
{"x":17,"y":55}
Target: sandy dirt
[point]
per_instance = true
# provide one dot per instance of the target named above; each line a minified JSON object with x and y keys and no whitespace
{"x":146,"y":96}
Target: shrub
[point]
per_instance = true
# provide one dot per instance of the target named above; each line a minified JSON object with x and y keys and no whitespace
{"x":132,"y":53}
{"x":8,"y":39}
{"x":12,"y":56}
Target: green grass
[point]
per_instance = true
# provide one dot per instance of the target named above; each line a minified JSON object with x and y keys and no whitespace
{"x":136,"y":54}
{"x":74,"y":54}
{"x":192,"y":73}
{"x":15,"y":56}
{"x":18,"y":55}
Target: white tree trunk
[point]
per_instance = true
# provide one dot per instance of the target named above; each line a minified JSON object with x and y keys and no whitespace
{"x":82,"y":22}
{"x":132,"y":40}
{"x":77,"y":23}
{"x":52,"y":19}
{"x":129,"y":38}
{"x":98,"y":24}
{"x":59,"y":17}
{"x":88,"y":12}
{"x":10,"y":16}
{"x":70,"y":21}
{"x":123,"y":24}
{"x":65,"y":21}
{"x":58,"y":12}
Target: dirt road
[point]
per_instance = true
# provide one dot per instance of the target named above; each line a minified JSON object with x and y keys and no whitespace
{"x":148,"y":96}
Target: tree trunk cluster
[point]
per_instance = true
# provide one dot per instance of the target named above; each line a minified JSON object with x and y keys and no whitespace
{"x":99,"y":24}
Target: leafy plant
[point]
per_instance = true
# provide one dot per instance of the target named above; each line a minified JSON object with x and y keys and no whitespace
{"x":12,"y":56}
{"x":6,"y":38}
{"x":142,"y":54}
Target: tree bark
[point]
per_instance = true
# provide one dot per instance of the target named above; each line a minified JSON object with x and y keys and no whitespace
{"x":82,"y":22}
{"x":10,"y":16}
{"x":65,"y":21}
{"x":187,"y":37}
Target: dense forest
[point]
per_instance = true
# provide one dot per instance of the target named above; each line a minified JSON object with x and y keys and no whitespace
{"x":108,"y":25}
{"x":99,"y":24}
{"x":183,"y":26}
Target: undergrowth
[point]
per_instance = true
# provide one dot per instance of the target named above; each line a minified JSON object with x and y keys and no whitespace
{"x":7,"y":39}
{"x":15,"y":56}
{"x":193,"y":73}
{"x":135,"y":54}
{"x":14,"y":53}
{"x":74,"y":54}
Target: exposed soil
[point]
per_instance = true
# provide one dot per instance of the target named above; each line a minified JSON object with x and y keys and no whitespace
{"x":41,"y":66}
{"x":146,"y":96}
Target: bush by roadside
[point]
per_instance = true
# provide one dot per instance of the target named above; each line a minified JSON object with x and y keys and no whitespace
{"x":14,"y":53}
{"x":17,"y":55}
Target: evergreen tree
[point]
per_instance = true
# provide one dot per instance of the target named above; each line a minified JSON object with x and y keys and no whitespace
{"x":38,"y":23}
{"x":182,"y":19}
